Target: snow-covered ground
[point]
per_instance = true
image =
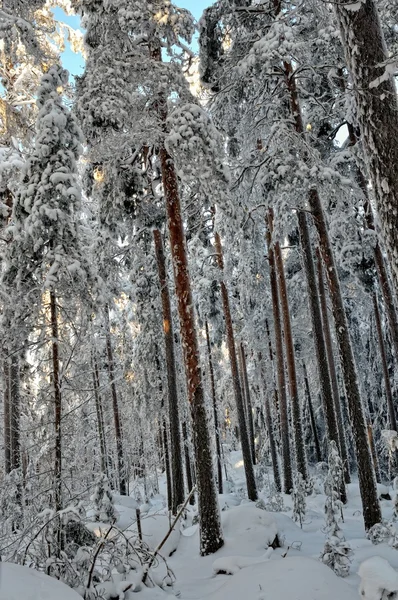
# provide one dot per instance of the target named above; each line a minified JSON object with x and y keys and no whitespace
{"x":244,"y":568}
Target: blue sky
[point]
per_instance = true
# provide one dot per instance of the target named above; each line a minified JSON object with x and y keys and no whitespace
{"x":75,"y":63}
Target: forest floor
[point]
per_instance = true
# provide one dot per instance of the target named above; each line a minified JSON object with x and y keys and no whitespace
{"x":291,"y":572}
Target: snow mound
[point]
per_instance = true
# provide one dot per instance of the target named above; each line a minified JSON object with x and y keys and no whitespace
{"x":378,"y":578}
{"x":250,"y":524}
{"x":126,"y":501}
{"x":22,"y":583}
{"x":295,"y":578}
{"x":232,"y":564}
{"x":154,"y":529}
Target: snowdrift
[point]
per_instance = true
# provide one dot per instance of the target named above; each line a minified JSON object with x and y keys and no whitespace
{"x":22,"y":583}
{"x":295,"y":578}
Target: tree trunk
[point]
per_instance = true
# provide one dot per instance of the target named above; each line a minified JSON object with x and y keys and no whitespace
{"x":366,"y":476}
{"x":211,"y":538}
{"x":377,"y":110}
{"x":115,"y":405}
{"x":390,"y":402}
{"x":243,"y":432}
{"x":7,"y":417}
{"x":373,"y":451}
{"x":381,"y":267}
{"x":176,"y":455}
{"x":215,"y":410}
{"x":167,"y":465}
{"x":312,"y":417}
{"x":57,"y":403}
{"x":249,"y":414}
{"x":319,"y":331}
{"x":342,"y":440}
{"x":301,"y":459}
{"x":15,"y":409}
{"x":367,"y":483}
{"x":270,"y":428}
{"x":280,"y":366}
{"x":188,"y":466}
{"x":100,"y":414}
{"x":271,"y":357}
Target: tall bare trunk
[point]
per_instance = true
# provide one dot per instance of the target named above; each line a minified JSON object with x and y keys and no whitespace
{"x":57,"y":402}
{"x":100,"y":414}
{"x":176,"y":455}
{"x":331,"y":404}
{"x":366,"y":476}
{"x":390,"y":402}
{"x":270,"y":427}
{"x":290,"y":359}
{"x":211,"y":538}
{"x":167,"y":465}
{"x":7,"y":416}
{"x":342,"y":440}
{"x":377,"y":110}
{"x":367,"y":482}
{"x":280,"y":367}
{"x":373,"y":451}
{"x":188,"y":465}
{"x":274,"y":383}
{"x":243,"y":430}
{"x":249,"y":412}
{"x":115,"y":405}
{"x":312,"y":416}
{"x":215,"y":410}
{"x":15,"y":412}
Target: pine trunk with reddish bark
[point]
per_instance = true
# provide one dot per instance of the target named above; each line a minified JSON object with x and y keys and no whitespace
{"x":175,"y":438}
{"x":280,"y":368}
{"x":215,"y":410}
{"x":301,"y":460}
{"x":366,"y":475}
{"x":211,"y":538}
{"x":342,"y":440}
{"x":233,"y":361}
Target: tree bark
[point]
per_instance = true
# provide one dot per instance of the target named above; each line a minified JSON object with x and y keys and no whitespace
{"x":390,"y":402}
{"x":15,"y":412}
{"x":249,"y":413}
{"x":167,"y":465}
{"x":57,"y":402}
{"x":312,"y":417}
{"x":115,"y":406}
{"x":243,"y":430}
{"x":342,"y":440}
{"x":271,"y":358}
{"x":366,"y":475}
{"x":367,"y":482}
{"x":270,"y":428}
{"x":100,"y":414}
{"x":377,"y":110}
{"x":175,"y":438}
{"x":280,"y":366}
{"x":215,"y":410}
{"x":211,"y":538}
{"x":7,"y":416}
{"x":301,"y":459}
{"x":187,"y":456}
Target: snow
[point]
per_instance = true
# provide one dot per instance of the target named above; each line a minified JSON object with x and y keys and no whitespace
{"x":22,"y":583}
{"x":295,"y":578}
{"x":154,"y":528}
{"x":377,"y":576}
